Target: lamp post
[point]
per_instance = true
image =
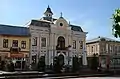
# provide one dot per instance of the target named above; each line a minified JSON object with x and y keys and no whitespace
{"x":14,"y":61}
{"x":69,"y":50}
{"x":79,"y":57}
{"x":69,"y":58}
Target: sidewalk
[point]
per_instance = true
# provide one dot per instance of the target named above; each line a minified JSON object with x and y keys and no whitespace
{"x":36,"y":74}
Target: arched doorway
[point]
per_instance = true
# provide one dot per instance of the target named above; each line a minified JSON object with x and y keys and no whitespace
{"x":61,"y":43}
{"x":61,"y":60}
{"x":58,"y":63}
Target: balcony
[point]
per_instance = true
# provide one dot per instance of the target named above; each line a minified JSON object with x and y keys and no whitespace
{"x":60,"y":48}
{"x":15,"y":49}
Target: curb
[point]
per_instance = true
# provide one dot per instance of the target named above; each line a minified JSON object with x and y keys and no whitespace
{"x":39,"y":75}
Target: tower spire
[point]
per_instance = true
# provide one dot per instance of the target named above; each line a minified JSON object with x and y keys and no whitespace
{"x":48,"y":11}
{"x":48,"y":6}
{"x":61,"y":14}
{"x":48,"y":14}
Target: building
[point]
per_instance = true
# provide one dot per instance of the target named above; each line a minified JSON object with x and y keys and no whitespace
{"x":106,"y":49}
{"x":52,"y":37}
{"x":14,"y":42}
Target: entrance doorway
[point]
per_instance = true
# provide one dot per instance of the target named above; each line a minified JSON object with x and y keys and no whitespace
{"x":61,"y":59}
{"x":19,"y":63}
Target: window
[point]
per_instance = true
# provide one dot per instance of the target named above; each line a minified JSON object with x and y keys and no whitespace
{"x":115,"y":49}
{"x":60,"y":43}
{"x":43,"y":42}
{"x":81,"y":44}
{"x":96,"y":47}
{"x":34,"y":41}
{"x":23,"y":44}
{"x":15,"y":43}
{"x":119,"y":49}
{"x":111,"y":49}
{"x":5,"y":43}
{"x":92,"y":49}
{"x":61,"y":24}
{"x":74,"y":44}
{"x":48,"y":15}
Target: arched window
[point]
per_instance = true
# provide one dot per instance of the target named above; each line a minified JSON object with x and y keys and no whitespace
{"x":61,"y":43}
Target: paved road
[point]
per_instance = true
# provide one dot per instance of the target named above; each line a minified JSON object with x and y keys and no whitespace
{"x":62,"y":77}
{"x":80,"y":78}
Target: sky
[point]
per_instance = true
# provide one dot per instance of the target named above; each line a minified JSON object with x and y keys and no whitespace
{"x":92,"y":15}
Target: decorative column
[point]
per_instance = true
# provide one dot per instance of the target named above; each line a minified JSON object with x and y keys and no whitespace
{"x":84,"y":56}
{"x":108,"y":58}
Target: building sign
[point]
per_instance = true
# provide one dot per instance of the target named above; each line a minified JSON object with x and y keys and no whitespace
{"x":17,"y":55}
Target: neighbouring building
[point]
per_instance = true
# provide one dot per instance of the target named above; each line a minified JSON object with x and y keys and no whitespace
{"x":108,"y":51}
{"x":14,"y":42}
{"x":52,"y":37}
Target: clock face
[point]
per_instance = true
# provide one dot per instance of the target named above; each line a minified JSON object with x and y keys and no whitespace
{"x":61,"y":24}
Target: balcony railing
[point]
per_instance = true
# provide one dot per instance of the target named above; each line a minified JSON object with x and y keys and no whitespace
{"x":61,"y":48}
{"x":15,"y":49}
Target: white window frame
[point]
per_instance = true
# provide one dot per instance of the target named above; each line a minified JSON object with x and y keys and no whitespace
{"x":45,"y":42}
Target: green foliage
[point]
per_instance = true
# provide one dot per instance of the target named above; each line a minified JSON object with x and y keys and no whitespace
{"x":10,"y":66}
{"x":94,"y":62}
{"x":116,"y":23}
{"x":2,"y":65}
{"x":56,"y":65}
{"x":41,"y":64}
{"x":75,"y":64}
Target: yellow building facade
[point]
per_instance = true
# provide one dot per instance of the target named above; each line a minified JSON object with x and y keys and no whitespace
{"x":15,"y":45}
{"x":7,"y":46}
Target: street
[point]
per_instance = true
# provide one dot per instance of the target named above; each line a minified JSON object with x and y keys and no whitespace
{"x":79,"y":78}
{"x":41,"y":75}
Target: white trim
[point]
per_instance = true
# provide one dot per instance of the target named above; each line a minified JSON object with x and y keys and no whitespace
{"x":61,"y":53}
{"x":41,"y":42}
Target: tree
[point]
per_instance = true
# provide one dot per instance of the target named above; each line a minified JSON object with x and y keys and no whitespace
{"x":41,"y":64}
{"x":3,"y":65}
{"x":94,"y":62}
{"x":10,"y":66}
{"x":56,"y":65}
{"x":75,"y":64}
{"x":116,"y":23}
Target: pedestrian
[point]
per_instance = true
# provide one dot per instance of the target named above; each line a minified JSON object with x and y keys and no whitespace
{"x":51,"y":66}
{"x":12,"y":66}
{"x":30,"y":67}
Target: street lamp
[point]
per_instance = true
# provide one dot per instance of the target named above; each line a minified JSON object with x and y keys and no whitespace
{"x":69,"y":58}
{"x":69,"y":50}
{"x":14,"y":61}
